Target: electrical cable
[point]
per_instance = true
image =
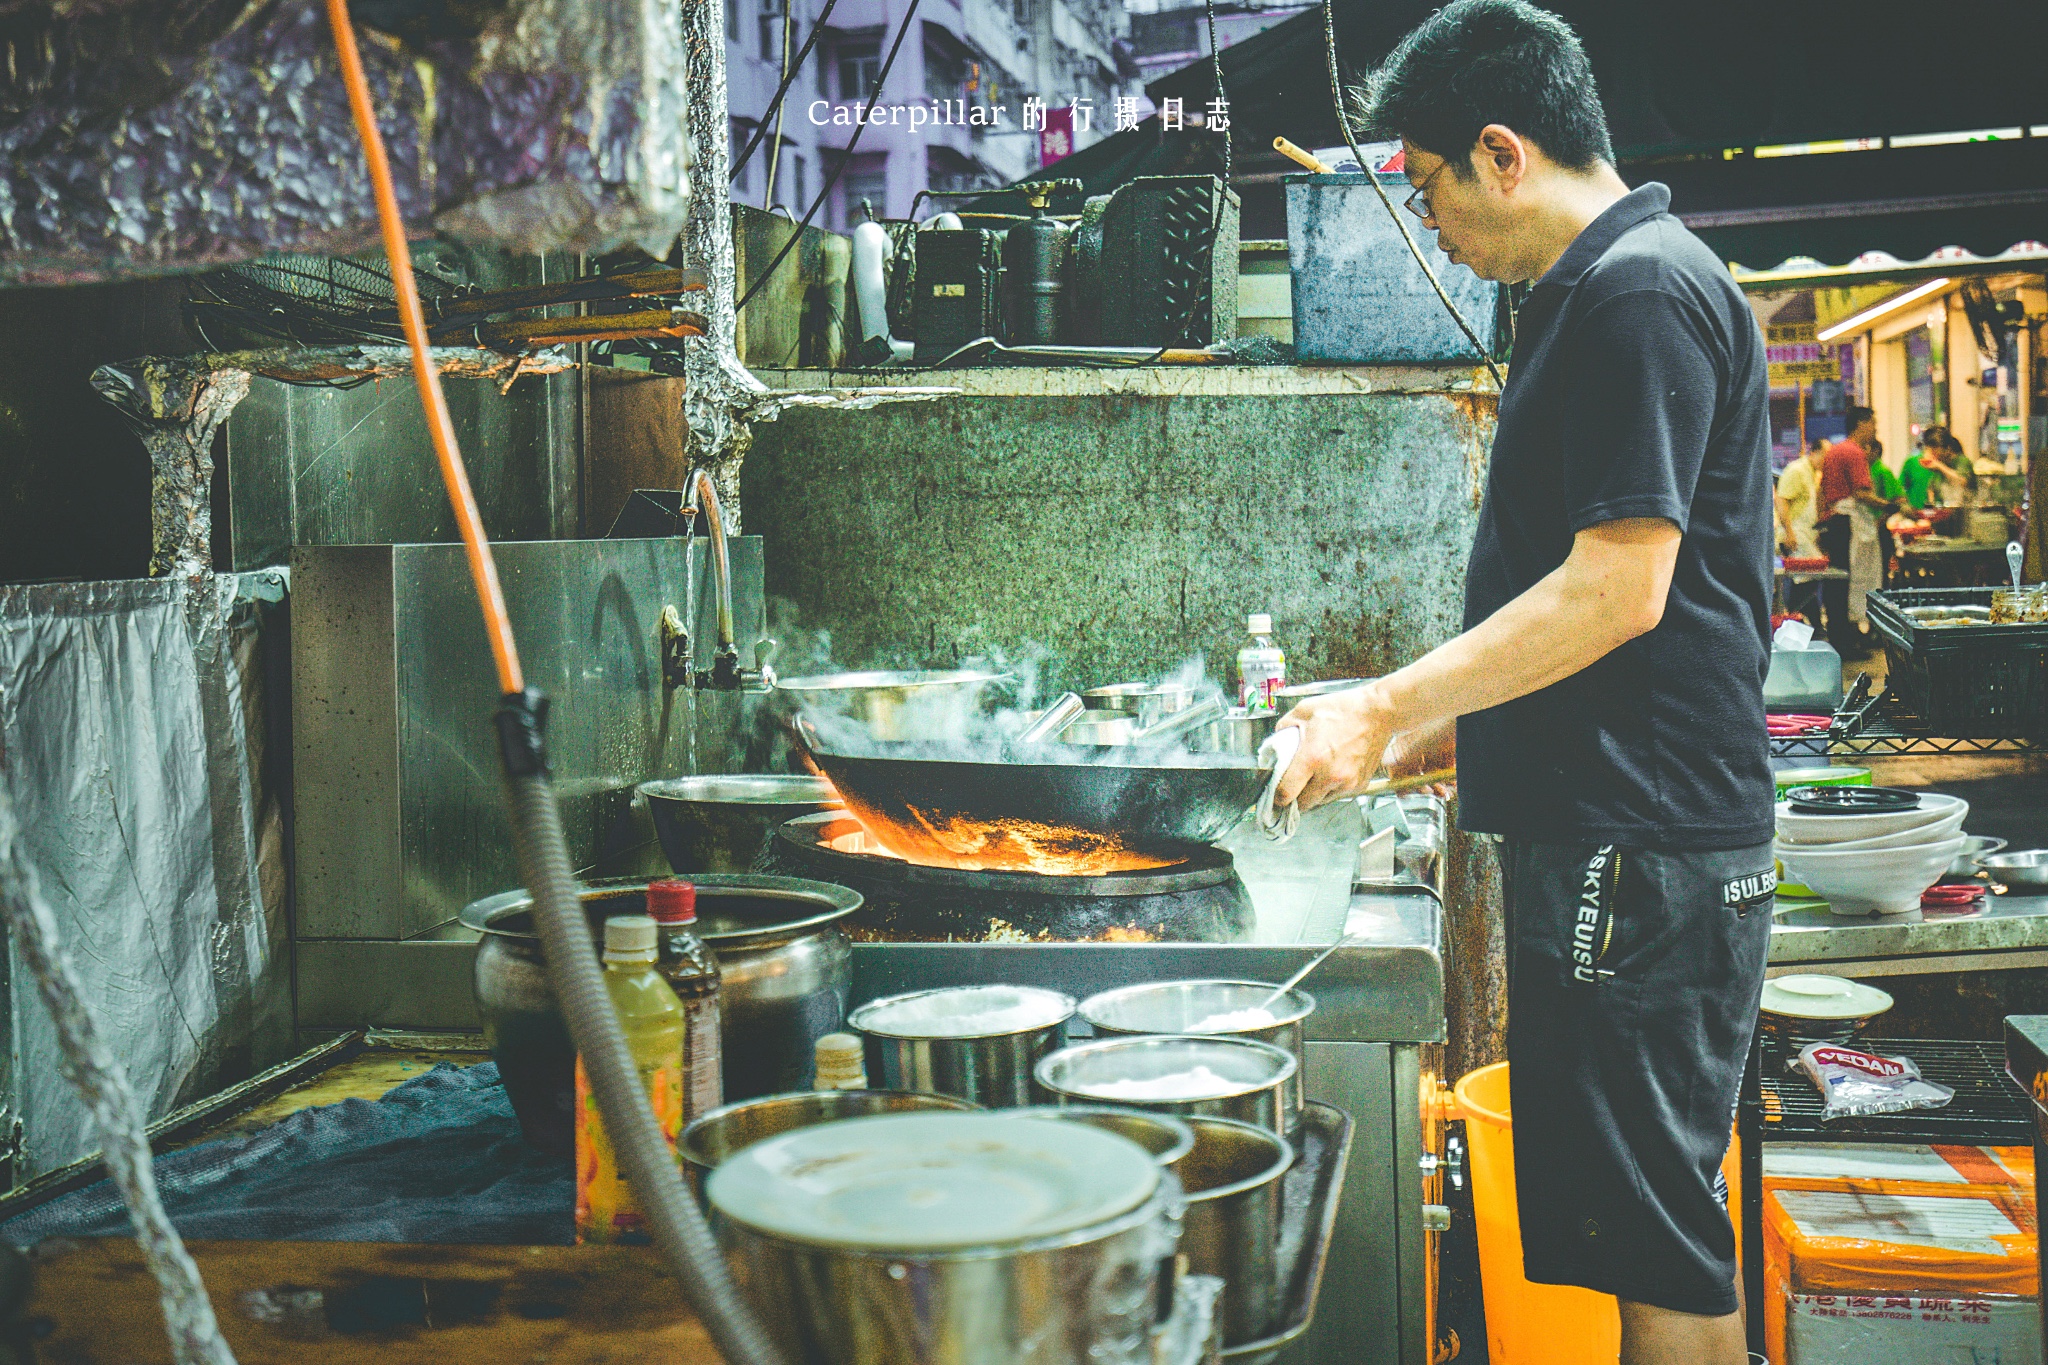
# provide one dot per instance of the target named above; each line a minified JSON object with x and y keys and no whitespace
{"x":775,"y":101}
{"x":1344,"y":125}
{"x":645,"y":1158}
{"x":843,"y":161}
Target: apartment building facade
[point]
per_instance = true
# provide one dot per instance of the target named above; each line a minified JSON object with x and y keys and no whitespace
{"x":953,"y":113}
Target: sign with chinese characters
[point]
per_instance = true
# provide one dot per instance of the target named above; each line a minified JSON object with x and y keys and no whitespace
{"x":1795,"y":357}
{"x":1056,"y":136}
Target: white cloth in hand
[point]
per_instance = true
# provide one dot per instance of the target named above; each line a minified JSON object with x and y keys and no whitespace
{"x":1278,"y":749}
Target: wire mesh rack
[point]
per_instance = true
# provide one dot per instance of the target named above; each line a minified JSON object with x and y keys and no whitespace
{"x":1883,"y":727}
{"x":1989,"y":1108}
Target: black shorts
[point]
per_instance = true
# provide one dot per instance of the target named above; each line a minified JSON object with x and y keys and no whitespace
{"x":1634,"y":977}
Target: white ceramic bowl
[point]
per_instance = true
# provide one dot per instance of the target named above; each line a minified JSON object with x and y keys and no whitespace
{"x":1933,"y":832}
{"x":1826,"y":829}
{"x":1884,"y":881}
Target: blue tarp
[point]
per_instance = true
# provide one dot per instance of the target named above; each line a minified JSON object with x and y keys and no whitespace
{"x":437,"y":1159}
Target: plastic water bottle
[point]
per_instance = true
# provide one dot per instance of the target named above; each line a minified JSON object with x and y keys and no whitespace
{"x":1261,"y":668}
{"x":652,"y":1018}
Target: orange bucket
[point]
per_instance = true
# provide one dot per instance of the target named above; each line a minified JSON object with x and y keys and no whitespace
{"x":1528,"y":1324}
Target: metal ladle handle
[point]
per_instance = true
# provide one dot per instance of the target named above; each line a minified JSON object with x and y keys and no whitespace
{"x":1203,"y":712}
{"x":2015,"y":556}
{"x":1056,"y":718}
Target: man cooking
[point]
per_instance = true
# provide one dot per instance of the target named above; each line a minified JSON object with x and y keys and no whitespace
{"x":1605,"y":702}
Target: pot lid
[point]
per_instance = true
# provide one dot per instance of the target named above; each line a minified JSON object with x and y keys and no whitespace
{"x":1823,"y":997}
{"x":911,"y":1183}
{"x":963,"y":1012}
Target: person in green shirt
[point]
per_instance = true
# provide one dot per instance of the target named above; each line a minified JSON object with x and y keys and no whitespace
{"x":1887,"y":486}
{"x":1937,"y":472}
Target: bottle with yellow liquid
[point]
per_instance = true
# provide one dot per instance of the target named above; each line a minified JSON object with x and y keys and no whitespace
{"x":653,"y":1020}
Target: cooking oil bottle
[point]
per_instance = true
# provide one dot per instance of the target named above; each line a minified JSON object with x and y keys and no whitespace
{"x":1261,"y":668}
{"x":692,"y":973}
{"x":653,"y":1020}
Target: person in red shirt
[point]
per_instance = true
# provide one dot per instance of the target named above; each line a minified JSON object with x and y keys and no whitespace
{"x":1845,"y":474}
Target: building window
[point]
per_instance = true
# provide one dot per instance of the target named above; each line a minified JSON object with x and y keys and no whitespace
{"x":860,"y":64}
{"x":803,"y":183}
{"x":740,"y":133}
{"x":866,"y":178}
{"x":732,"y":20}
{"x":771,"y":30}
{"x":945,"y":75}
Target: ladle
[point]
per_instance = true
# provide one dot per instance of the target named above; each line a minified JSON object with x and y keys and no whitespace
{"x":2015,"y":555}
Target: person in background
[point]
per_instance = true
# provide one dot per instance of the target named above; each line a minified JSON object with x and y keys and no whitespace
{"x":1797,"y":499}
{"x":1925,"y":468}
{"x":1851,"y":510}
{"x":1798,"y":502}
{"x":1889,"y":488}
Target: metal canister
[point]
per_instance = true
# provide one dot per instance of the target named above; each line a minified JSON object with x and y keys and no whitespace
{"x":1231,"y":1225}
{"x":1167,"y":1138}
{"x":1027,"y":1240}
{"x":732,"y":1128}
{"x":1034,"y":256}
{"x":963,"y":1040}
{"x":1157,"y":1007}
{"x":1209,"y":1077}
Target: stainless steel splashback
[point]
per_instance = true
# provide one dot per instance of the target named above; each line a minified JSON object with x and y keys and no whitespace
{"x":399,"y":814}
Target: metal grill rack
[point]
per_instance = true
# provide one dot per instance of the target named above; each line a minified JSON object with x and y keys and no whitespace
{"x":1989,"y":1109}
{"x":1881,"y":727}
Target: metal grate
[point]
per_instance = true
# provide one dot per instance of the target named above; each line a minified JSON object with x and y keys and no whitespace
{"x":1887,"y":729}
{"x":1989,"y":1108}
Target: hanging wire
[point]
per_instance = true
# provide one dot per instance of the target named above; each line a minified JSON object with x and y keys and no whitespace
{"x":775,"y":102}
{"x":1344,"y":124}
{"x":839,"y":165}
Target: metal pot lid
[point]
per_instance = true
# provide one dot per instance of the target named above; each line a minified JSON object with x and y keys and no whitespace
{"x":910,"y":1183}
{"x":744,"y":789}
{"x":1823,"y":997}
{"x":734,"y":909}
{"x":963,"y":1012}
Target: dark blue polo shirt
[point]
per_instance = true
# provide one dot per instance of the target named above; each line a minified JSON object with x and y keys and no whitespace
{"x":1638,"y":389}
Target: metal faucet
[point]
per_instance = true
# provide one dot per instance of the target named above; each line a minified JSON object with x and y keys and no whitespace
{"x":678,"y":660}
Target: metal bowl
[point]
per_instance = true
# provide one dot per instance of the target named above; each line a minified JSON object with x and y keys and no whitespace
{"x":919,"y":704}
{"x":718,"y":1134}
{"x":1167,"y":1138}
{"x":1101,"y":728}
{"x":2025,"y":870}
{"x":718,"y":822}
{"x":1147,"y":702}
{"x":1979,"y":846}
{"x":1256,"y":1077}
{"x":1171,"y":1007}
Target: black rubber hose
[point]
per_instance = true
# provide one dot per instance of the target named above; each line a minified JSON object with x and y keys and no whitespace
{"x":644,"y":1157}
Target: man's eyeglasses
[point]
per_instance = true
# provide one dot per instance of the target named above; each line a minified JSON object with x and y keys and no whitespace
{"x":1418,"y":202}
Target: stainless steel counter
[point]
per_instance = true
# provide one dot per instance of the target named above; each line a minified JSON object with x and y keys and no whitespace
{"x":2011,"y":931}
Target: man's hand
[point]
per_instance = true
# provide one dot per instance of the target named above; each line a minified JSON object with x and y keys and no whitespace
{"x":1343,"y":737}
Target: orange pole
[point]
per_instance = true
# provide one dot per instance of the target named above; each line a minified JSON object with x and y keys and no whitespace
{"x":483,"y":570}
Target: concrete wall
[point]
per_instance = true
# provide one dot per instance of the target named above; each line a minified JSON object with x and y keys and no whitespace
{"x":1125,"y":520}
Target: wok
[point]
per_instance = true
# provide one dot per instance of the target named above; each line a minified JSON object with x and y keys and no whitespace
{"x":1041,"y":807}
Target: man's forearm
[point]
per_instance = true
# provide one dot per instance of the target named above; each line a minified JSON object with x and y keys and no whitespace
{"x":1570,"y":619}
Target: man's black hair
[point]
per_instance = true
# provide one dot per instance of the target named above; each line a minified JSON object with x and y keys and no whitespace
{"x":1476,"y":62}
{"x":1857,"y":417}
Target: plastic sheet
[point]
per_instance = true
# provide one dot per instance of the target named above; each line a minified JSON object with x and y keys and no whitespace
{"x":559,"y":126}
{"x":133,"y":742}
{"x":437,"y":1159}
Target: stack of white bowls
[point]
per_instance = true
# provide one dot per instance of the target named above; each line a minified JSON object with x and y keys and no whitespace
{"x":1872,"y":863}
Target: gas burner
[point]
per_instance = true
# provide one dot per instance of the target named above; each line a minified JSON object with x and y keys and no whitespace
{"x":1198,"y":899}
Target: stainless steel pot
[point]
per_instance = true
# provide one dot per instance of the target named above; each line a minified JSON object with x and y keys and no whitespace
{"x":991,"y":1068}
{"x":706,"y":1143}
{"x":926,"y":704}
{"x":1167,"y":1138}
{"x":1155,"y":1007}
{"x":1255,"y":1078}
{"x":785,"y":967}
{"x":1087,"y":1293}
{"x":1231,"y":1226}
{"x":717,"y":822}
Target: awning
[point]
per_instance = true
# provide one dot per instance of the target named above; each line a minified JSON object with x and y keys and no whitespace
{"x":1881,"y":267}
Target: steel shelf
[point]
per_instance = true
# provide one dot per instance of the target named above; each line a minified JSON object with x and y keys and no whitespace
{"x":1883,"y":728}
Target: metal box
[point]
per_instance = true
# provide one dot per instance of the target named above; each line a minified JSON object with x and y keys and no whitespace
{"x":399,"y":810}
{"x":956,"y":292}
{"x":1359,"y":297}
{"x":1169,"y":262}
